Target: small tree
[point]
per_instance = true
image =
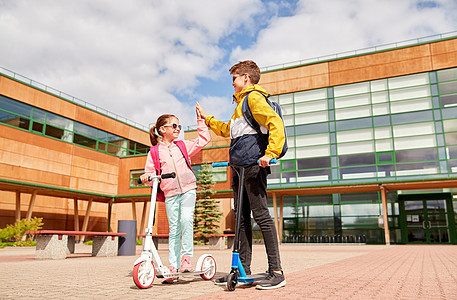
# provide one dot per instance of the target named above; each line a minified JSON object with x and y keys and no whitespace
{"x":207,"y":211}
{"x":14,"y":233}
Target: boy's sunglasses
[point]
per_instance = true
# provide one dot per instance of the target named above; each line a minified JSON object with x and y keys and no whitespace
{"x":236,"y":76}
{"x":174,"y":125}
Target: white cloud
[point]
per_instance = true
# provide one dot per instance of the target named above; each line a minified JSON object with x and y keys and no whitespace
{"x":320,"y":28}
{"x":128,"y":57}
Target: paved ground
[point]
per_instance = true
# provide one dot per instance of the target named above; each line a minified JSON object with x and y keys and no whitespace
{"x":316,"y":271}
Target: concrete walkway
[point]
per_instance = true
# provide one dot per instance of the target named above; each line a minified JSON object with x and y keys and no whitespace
{"x":315,"y":271}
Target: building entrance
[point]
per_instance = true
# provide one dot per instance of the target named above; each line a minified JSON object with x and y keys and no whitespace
{"x":427,"y":219}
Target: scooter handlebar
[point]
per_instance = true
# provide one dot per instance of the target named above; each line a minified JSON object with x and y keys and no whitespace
{"x":163,"y":176}
{"x":226,"y":164}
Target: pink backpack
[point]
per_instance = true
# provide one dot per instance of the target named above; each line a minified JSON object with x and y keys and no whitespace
{"x":154,"y":150}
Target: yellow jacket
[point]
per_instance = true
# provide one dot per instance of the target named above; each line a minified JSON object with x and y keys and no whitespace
{"x":246,"y":146}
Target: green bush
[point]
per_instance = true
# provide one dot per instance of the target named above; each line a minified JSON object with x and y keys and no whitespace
{"x":15,"y":232}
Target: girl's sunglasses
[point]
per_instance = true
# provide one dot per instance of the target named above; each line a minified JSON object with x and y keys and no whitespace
{"x":174,"y":125}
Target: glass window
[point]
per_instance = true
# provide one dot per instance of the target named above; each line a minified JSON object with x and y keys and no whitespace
{"x":315,"y":199}
{"x":287,"y":177}
{"x":288,"y":165}
{"x":312,"y":139}
{"x":412,"y":117}
{"x":313,"y":163}
{"x":451,"y":138}
{"x":384,"y":145}
{"x":14,"y":120}
{"x":380,"y":97}
{"x":445,"y":75}
{"x":39,"y":115}
{"x":381,"y":109}
{"x":353,"y":112}
{"x":287,"y":109}
{"x":357,"y":159}
{"x":379,"y":85}
{"x":383,"y":158}
{"x":310,"y":95}
{"x":410,"y":105}
{"x":134,"y":175}
{"x":414,"y":129}
{"x":314,"y":117}
{"x":306,"y":107}
{"x":351,"y":101}
{"x":410,"y":93}
{"x":416,"y":155}
{"x":415,"y":142}
{"x":313,"y":151}
{"x":448,"y":87}
{"x":285,"y":99}
{"x":360,"y":210}
{"x":84,"y":141}
{"x":354,"y":124}
{"x":315,"y":210}
{"x":382,"y":132}
{"x":449,"y":100}
{"x":15,"y":107}
{"x":314,"y":175}
{"x":311,"y":128}
{"x":409,"y":80}
{"x":354,"y":135}
{"x":450,"y":125}
{"x":423,"y":168}
{"x":355,"y":147}
{"x":358,"y":172}
{"x":83,"y":129}
{"x":351,"y":89}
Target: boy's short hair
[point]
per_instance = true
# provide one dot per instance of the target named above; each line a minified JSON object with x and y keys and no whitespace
{"x":247,"y":67}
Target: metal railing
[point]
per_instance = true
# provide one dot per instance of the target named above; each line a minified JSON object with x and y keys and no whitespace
{"x":69,"y":98}
{"x":390,"y":46}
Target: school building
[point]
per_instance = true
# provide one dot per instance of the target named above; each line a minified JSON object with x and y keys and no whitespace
{"x":372,"y":157}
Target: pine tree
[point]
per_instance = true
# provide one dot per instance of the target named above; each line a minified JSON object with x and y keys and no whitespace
{"x":207,"y":210}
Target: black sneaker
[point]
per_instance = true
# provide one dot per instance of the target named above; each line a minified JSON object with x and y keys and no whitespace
{"x":221,"y":281}
{"x":273,"y":281}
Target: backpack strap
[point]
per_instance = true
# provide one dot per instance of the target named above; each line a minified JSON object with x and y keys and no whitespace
{"x":155,"y":155}
{"x":247,"y":114}
{"x":182,"y":146}
{"x":155,"y":158}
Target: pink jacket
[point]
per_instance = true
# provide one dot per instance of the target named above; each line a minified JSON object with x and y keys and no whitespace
{"x":172,"y":160}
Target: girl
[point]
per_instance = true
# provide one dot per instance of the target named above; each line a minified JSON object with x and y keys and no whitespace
{"x":180,"y":192}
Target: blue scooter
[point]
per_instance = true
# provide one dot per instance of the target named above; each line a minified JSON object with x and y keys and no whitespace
{"x":237,"y":273}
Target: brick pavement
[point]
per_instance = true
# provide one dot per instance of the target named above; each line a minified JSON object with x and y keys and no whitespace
{"x":312,"y":272}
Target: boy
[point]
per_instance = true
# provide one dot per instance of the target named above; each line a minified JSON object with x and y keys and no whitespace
{"x":246,"y":148}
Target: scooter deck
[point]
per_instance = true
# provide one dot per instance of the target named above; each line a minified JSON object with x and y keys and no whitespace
{"x":182,"y":274}
{"x":252,"y":278}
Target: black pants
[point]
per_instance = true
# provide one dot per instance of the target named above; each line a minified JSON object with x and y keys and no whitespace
{"x":255,"y":200}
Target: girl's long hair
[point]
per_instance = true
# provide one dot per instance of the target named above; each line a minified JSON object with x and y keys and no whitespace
{"x":154,"y":131}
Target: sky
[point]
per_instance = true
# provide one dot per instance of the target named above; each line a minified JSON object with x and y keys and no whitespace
{"x":139,"y":59}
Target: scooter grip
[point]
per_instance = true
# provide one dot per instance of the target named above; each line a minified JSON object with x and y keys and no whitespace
{"x":168,"y":175}
{"x":220,"y":164}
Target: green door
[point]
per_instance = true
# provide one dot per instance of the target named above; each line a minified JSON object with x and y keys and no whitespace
{"x":427,"y":219}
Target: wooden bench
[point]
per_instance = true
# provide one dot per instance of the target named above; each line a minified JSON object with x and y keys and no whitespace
{"x":57,"y":244}
{"x":216,"y":241}
{"x":155,"y":238}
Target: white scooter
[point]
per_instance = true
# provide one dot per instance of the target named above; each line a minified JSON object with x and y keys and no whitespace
{"x":149,"y":264}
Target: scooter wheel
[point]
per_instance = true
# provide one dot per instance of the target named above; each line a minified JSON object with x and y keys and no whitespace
{"x":143,"y":275}
{"x":207,"y":262}
{"x":232,"y":281}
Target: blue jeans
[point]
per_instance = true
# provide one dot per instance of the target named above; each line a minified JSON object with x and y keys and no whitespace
{"x":180,"y":214}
